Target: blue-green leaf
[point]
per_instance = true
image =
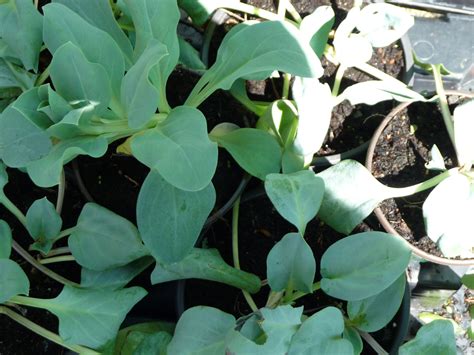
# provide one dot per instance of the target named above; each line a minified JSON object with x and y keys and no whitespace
{"x":201,"y":330}
{"x":296,"y":196}
{"x":21,"y":28}
{"x":316,"y":27}
{"x":44,"y":224}
{"x":62,"y":25}
{"x":321,"y":333}
{"x":103,"y":240}
{"x":91,"y":317}
{"x":169,"y":219}
{"x":75,"y":78}
{"x":139,"y":96}
{"x":374,"y":313}
{"x":179,"y":149}
{"x":46,"y":171}
{"x":255,"y":49}
{"x":13,"y":280}
{"x":5,"y":240}
{"x":256,"y":151}
{"x":376,"y":260}
{"x":99,"y":14}
{"x":435,"y":338}
{"x":205,"y":264}
{"x":291,"y":263}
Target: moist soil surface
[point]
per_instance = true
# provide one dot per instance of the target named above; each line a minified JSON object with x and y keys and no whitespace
{"x":114,"y":182}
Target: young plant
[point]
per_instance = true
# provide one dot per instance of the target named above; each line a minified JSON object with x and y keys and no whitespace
{"x":446,"y":209}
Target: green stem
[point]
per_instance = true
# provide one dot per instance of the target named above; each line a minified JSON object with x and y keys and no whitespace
{"x":10,"y":206}
{"x":443,"y":102}
{"x":61,"y":192}
{"x":292,"y":11}
{"x":31,"y":302}
{"x":50,"y":273}
{"x":299,"y":294}
{"x":43,"y":77}
{"x":58,"y":251}
{"x":65,"y":233}
{"x":393,"y":192}
{"x":35,"y":328}
{"x":337,"y":80}
{"x":57,"y":259}
{"x":286,"y":86}
{"x":235,"y":250}
{"x":377,"y":73}
{"x":373,"y":343}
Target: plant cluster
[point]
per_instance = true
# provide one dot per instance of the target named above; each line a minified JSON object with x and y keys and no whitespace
{"x":106,"y":83}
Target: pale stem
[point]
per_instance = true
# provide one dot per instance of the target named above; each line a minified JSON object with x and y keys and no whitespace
{"x":286,"y":86}
{"x":235,"y":250}
{"x":443,"y":102}
{"x":65,"y":233}
{"x":57,"y":259}
{"x":299,"y":294}
{"x":377,"y":73}
{"x":292,"y":11}
{"x":373,"y":343}
{"x":35,"y":328}
{"x":251,"y":10}
{"x":58,"y":251}
{"x":61,"y":192}
{"x":337,"y":80}
{"x":10,"y":206}
{"x":43,"y":76}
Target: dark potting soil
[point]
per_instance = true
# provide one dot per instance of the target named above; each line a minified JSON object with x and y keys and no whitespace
{"x":399,"y":161}
{"x":114,"y":182}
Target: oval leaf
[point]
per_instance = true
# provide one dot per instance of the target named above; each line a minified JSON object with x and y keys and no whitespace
{"x":13,"y":280}
{"x":169,"y":219}
{"x":377,"y":260}
{"x":179,"y":149}
{"x":321,"y":334}
{"x":435,"y":338}
{"x":374,"y":313}
{"x":244,"y":142}
{"x":205,"y":264}
{"x":43,"y":223}
{"x":103,"y":240}
{"x":297,"y":197}
{"x":291,"y":263}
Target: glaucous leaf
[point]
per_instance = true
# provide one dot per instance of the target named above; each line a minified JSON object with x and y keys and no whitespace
{"x":169,"y":219}
{"x":14,"y":77}
{"x":262,"y":48}
{"x":375,"y":91}
{"x":44,"y":224}
{"x":239,"y":92}
{"x":75,"y":78}
{"x":91,"y":317}
{"x":189,"y":57}
{"x":435,"y":338}
{"x":22,"y":131}
{"x":316,"y":27}
{"x":116,"y":278}
{"x":201,"y":330}
{"x":62,"y":25}
{"x":447,"y":213}
{"x":297,"y":196}
{"x":153,"y":344}
{"x":57,"y":107}
{"x":382,"y":24}
{"x":5,"y":240}
{"x":103,"y":240}
{"x":75,"y":122}
{"x":99,"y":14}
{"x":256,"y":151}
{"x":351,"y":334}
{"x":13,"y":280}
{"x":291,"y":263}
{"x":21,"y":27}
{"x":280,"y":120}
{"x":278,"y":324}
{"x":179,"y":149}
{"x":321,"y":333}
{"x":139,"y":96}
{"x":463,"y":124}
{"x":437,"y":160}
{"x":157,"y":20}
{"x":351,"y":48}
{"x":377,"y":261}
{"x":351,"y":194}
{"x":205,"y":264}
{"x":374,"y":313}
{"x":3,"y":177}
{"x":46,"y":171}
{"x":315,"y":103}
{"x":292,"y":162}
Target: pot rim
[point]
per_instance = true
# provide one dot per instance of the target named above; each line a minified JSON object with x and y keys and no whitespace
{"x":378,"y":212}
